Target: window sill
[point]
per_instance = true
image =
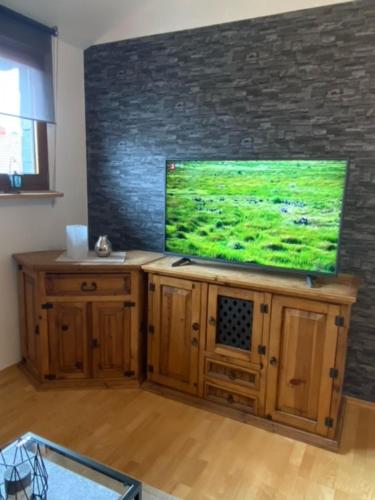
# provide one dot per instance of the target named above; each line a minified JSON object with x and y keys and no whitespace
{"x":30,"y":195}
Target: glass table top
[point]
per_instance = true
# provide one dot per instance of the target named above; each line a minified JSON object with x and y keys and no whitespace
{"x":70,"y":476}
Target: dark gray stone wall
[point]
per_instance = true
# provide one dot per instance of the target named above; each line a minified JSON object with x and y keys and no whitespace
{"x":298,"y":85}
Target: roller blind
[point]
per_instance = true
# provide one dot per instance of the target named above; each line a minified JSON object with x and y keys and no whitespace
{"x":26,"y":76}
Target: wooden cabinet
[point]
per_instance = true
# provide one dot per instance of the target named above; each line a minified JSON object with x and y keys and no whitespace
{"x":226,"y":373}
{"x":82,"y":324}
{"x":175,"y":324}
{"x":88,"y":284}
{"x":262,"y":347}
{"x":235,"y":323}
{"x":30,"y":332}
{"x":111,"y":340}
{"x":92,"y":339}
{"x":267,"y":346}
{"x":302,"y":361}
{"x":68,"y":340}
{"x":104,"y":353}
{"x":230,"y":397}
{"x":237,"y":329}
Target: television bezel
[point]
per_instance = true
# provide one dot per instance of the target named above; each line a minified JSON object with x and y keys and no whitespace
{"x":249,"y":265}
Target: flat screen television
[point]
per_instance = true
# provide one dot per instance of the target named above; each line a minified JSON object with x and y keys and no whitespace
{"x":278,"y":214}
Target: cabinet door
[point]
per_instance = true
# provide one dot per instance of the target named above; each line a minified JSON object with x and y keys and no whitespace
{"x":302,"y":352}
{"x":29,"y":323}
{"x":111,"y":339}
{"x":174,"y":333}
{"x":235,"y":323}
{"x":67,"y":325}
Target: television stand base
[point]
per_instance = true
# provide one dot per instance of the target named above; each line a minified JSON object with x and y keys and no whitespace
{"x":310,"y":281}
{"x":184,"y":261}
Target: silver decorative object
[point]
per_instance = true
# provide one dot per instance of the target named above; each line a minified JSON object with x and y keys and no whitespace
{"x":103,"y":246}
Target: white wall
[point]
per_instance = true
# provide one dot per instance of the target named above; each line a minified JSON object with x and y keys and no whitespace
{"x":39,"y":225}
{"x":148,"y":17}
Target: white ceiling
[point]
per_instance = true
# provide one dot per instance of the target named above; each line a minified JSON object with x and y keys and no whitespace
{"x":85,"y":22}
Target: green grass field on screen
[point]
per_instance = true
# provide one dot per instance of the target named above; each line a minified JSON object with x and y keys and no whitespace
{"x":271,"y":213}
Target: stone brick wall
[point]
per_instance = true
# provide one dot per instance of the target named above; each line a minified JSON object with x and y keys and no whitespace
{"x":297,"y":85}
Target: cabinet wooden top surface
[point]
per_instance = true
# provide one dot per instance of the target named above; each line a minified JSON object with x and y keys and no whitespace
{"x":46,"y":261}
{"x":342,"y":289}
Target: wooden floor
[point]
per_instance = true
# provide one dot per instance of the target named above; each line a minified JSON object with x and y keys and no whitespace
{"x":189,"y":452}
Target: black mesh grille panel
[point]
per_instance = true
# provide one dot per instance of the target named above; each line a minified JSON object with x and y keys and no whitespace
{"x":234,"y":322}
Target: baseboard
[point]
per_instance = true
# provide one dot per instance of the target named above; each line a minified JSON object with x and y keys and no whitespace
{"x":9,"y":368}
{"x":362,"y":403}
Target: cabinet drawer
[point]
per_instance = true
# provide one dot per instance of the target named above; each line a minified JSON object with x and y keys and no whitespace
{"x":88,"y":284}
{"x":247,"y":379}
{"x":228,"y":397}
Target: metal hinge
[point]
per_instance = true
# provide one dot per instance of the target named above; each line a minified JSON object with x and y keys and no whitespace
{"x":128,"y":303}
{"x":328,"y":422}
{"x":261,"y":349}
{"x":151,"y":287}
{"x":94,"y":343}
{"x":37,"y":330}
{"x":333,"y":372}
{"x":129,"y":373}
{"x":264,"y":308}
{"x":339,"y":321}
{"x":151,"y":329}
{"x":47,"y":305}
{"x":50,"y":376}
{"x":150,"y":368}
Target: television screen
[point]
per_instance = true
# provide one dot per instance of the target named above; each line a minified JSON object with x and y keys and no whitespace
{"x":279,"y":214}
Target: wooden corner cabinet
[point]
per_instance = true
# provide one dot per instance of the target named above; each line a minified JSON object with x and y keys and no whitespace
{"x":265,"y":347}
{"x":81,"y":324}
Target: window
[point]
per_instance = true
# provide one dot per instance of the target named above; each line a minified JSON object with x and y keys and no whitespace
{"x":23,"y":149}
{"x":26,"y":99}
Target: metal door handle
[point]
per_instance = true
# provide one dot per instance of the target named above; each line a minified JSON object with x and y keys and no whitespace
{"x":194,"y":341}
{"x":211,"y":321}
{"x":273,"y":361}
{"x":89,"y":288}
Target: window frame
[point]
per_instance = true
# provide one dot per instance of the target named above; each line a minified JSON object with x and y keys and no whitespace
{"x":39,"y":181}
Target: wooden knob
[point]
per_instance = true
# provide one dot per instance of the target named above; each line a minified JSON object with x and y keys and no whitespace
{"x":194,"y":341}
{"x":195,"y":327}
{"x":295,"y":381}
